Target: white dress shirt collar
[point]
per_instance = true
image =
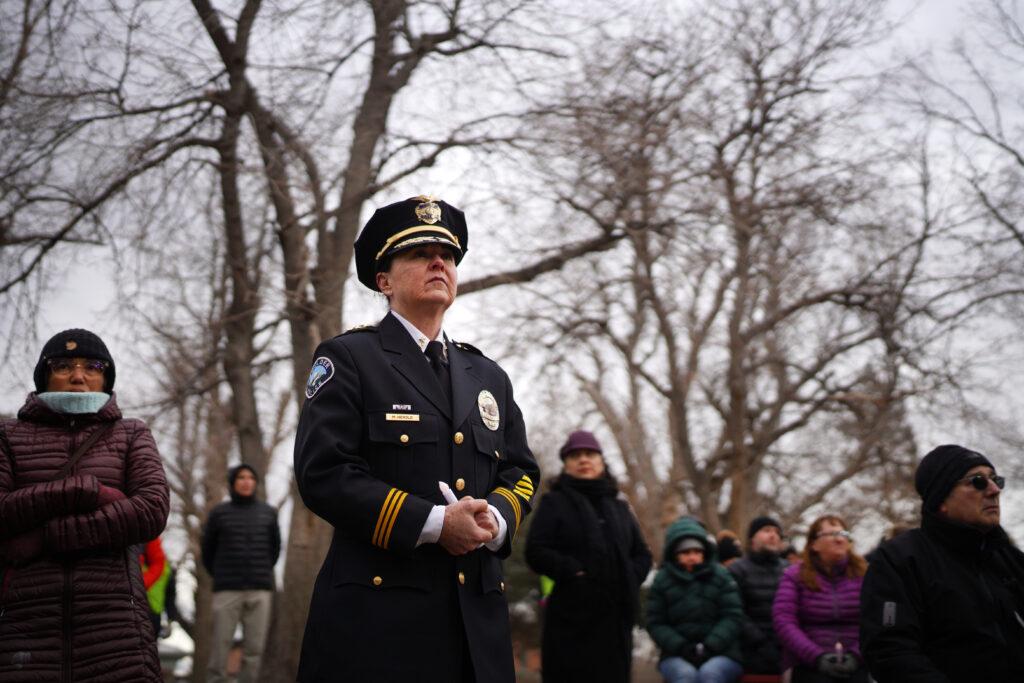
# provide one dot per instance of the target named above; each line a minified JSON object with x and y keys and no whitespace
{"x":419,"y":337}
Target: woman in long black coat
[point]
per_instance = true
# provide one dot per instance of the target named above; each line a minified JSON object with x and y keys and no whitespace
{"x":585,"y":537}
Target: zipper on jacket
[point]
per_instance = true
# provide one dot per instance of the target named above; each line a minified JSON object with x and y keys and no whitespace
{"x":126,"y":556}
{"x":8,"y":573}
{"x":129,"y":556}
{"x":4,"y":585}
{"x":65,"y":673}
{"x":834,"y":584}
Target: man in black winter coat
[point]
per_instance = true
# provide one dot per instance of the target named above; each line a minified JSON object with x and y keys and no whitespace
{"x":945,"y":603}
{"x":758,"y":574}
{"x":240,"y":546}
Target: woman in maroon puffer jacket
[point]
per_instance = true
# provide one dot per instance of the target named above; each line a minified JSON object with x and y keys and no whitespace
{"x":72,"y":602}
{"x":816,"y":613}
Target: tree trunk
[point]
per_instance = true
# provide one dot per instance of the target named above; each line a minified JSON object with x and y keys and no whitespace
{"x":203,"y":626}
{"x":240,"y":323}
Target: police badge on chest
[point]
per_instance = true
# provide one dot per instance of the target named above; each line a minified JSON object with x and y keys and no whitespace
{"x":488,"y":410}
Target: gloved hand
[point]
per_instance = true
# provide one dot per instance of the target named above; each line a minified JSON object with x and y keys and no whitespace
{"x":23,"y":548}
{"x":836,"y":665}
{"x":108,"y":495}
{"x":848,"y":663}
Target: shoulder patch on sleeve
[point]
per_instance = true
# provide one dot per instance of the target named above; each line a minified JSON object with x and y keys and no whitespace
{"x":321,"y":372}
{"x":468,"y":347}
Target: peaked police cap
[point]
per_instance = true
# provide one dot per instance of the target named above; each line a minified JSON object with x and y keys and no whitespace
{"x":406,"y":224}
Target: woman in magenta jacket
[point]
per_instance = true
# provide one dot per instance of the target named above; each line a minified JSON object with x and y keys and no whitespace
{"x":817,"y":608}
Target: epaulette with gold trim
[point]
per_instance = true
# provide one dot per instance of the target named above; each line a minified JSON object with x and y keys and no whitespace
{"x":468,"y":347}
{"x":359,"y":328}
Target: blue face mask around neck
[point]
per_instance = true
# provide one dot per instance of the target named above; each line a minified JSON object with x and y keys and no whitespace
{"x":75,"y":402}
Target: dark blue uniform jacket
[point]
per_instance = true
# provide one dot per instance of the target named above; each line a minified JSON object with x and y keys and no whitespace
{"x":375,"y":436}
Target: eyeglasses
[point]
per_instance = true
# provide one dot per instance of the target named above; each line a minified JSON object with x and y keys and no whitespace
{"x":980,"y":481}
{"x":835,"y":534}
{"x":63,"y":367}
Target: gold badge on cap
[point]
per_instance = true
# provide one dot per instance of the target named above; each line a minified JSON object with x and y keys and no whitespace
{"x":488,"y":410}
{"x":71,"y":345}
{"x":428,"y":211}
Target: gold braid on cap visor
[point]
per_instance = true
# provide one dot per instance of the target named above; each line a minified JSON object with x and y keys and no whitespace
{"x":413,"y":230}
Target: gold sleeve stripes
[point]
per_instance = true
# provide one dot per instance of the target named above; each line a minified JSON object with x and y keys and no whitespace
{"x":524,"y":487}
{"x":512,"y":501}
{"x":388,"y":514}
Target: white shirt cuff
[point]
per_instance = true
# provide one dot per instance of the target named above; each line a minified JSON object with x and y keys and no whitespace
{"x":432,"y":527}
{"x":499,"y":540}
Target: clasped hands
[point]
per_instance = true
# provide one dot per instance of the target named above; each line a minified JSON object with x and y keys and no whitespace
{"x":29,"y":545}
{"x":468,"y":524}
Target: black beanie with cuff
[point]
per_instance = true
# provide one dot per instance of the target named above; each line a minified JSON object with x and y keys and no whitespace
{"x":940,"y":470}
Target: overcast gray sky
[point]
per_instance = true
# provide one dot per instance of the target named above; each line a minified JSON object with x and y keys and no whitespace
{"x":82,"y":291}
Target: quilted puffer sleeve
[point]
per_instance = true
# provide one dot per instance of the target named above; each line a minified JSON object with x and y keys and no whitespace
{"x":785,"y":617}
{"x":659,"y":623}
{"x":730,"y":613}
{"x":32,"y":506}
{"x":141,"y":516}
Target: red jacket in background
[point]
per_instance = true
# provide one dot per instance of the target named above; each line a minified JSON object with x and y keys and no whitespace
{"x":152,"y":561}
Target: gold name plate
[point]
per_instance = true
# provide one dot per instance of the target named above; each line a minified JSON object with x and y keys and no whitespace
{"x":401,"y":417}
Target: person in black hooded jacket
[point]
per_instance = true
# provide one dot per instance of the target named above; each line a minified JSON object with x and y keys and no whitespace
{"x":584,"y":536}
{"x":945,"y":603}
{"x":241,"y":542}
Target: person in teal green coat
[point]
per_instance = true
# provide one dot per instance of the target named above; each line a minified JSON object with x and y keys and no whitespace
{"x":694,"y":610}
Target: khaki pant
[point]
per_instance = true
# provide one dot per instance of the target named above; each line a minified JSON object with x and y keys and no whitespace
{"x":252,"y":609}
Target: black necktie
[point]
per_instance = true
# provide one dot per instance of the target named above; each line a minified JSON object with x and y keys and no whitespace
{"x":435,"y":353}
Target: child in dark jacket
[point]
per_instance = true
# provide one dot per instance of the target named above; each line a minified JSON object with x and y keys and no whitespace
{"x":694,"y":610}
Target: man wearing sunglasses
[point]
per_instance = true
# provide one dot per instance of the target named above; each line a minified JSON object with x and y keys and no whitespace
{"x":945,"y":603}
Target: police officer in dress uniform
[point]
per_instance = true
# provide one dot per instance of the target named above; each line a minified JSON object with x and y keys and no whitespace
{"x":412,"y":587}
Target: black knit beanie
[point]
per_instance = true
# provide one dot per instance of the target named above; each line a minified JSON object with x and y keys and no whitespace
{"x":761,"y":522}
{"x":939,"y":471}
{"x":728,"y":549}
{"x":74,"y":343}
